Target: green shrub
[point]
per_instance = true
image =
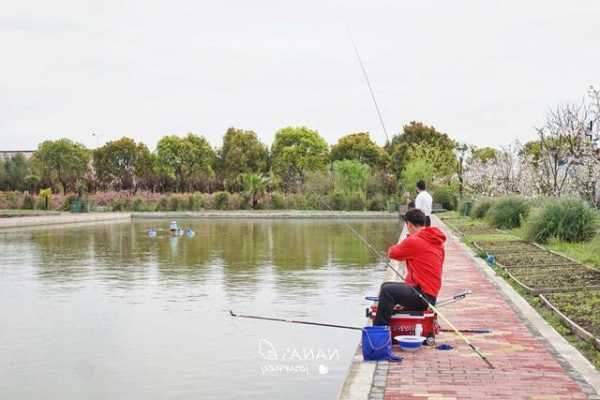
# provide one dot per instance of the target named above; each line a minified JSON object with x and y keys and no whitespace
{"x":296,"y":201}
{"x":45,"y":199}
{"x":66,"y":205}
{"x":316,"y":201}
{"x":508,"y":212}
{"x":355,"y":202}
{"x":194,"y":202}
{"x":337,"y":201}
{"x":122,"y":204}
{"x":246,"y":202}
{"x":221,"y":200}
{"x":446,"y":197}
{"x":138,"y":204}
{"x":481,"y":208}
{"x":163,"y":204}
{"x":570,"y":220}
{"x":277,"y":201}
{"x":239,"y":201}
{"x":40,"y":204}
{"x":376,"y":203}
{"x":175,"y":203}
{"x":27,"y":202}
{"x":10,"y":200}
{"x":206,"y":201}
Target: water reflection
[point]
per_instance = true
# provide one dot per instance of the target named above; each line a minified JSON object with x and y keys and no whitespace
{"x":287,"y":255}
{"x":158,"y":303}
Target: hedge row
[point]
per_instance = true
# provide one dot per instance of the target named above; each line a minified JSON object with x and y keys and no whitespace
{"x":124,"y":201}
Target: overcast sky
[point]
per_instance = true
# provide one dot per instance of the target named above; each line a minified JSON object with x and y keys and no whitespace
{"x":484,"y":72}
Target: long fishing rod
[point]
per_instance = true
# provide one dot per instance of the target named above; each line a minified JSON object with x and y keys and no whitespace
{"x":446,"y":320}
{"x":419,"y":294}
{"x":293,"y":321}
{"x":356,"y":328}
{"x":368,"y":81}
{"x":388,"y":264}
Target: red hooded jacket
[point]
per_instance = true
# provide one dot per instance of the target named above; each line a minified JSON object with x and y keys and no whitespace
{"x":424,"y":255}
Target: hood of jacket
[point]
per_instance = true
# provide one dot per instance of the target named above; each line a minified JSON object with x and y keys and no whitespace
{"x":432,"y":235}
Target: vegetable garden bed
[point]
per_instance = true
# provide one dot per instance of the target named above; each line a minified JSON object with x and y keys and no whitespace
{"x":548,"y":279}
{"x":580,"y":311}
{"x":475,"y":230}
{"x":507,"y":246}
{"x":532,"y":259}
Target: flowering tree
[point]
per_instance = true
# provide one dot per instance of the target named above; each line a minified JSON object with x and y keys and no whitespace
{"x":499,"y":173}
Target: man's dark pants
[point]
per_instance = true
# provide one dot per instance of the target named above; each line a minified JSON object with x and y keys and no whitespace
{"x":393,"y":293}
{"x":427,"y":220}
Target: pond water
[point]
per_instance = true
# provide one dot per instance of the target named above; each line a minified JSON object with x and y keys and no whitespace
{"x":103,"y":311}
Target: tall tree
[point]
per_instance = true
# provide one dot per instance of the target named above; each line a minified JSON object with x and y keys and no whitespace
{"x":145,"y":168}
{"x":359,"y":147}
{"x":296,"y":151}
{"x":62,"y":161}
{"x":351,"y":176}
{"x":114,"y":163}
{"x":186,"y":158}
{"x":417,"y":138}
{"x":242,"y":153}
{"x":484,"y":154}
{"x":14,"y":171}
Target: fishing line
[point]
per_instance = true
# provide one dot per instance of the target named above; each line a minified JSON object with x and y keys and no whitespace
{"x":368,"y":81}
{"x":375,"y":251}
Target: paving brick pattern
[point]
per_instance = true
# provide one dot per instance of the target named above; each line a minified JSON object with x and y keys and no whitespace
{"x":525,"y":367}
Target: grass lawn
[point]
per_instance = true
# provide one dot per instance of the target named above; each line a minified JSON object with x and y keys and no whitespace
{"x":588,"y":253}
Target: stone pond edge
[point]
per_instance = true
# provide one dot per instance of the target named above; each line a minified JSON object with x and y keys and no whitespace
{"x":68,"y":218}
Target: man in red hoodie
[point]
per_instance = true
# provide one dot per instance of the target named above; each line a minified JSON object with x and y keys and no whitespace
{"x":423,"y":252}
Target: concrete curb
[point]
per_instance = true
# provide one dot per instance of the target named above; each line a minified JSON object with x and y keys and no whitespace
{"x":61,"y":219}
{"x":574,"y":362}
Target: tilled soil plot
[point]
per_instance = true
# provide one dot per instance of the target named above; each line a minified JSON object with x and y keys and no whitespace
{"x":571,"y":277}
{"x":581,"y":307}
{"x":533,"y":259}
{"x":507,"y":246}
{"x":476,"y":230}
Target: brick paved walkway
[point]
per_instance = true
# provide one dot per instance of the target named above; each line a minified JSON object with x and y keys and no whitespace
{"x":525,"y":368}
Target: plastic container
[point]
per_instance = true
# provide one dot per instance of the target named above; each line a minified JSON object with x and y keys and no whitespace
{"x":410,"y":343}
{"x":376,"y":343}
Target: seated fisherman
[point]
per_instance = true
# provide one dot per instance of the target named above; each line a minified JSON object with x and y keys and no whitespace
{"x":423,"y":252}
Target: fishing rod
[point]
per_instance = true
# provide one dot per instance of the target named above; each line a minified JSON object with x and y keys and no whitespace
{"x":446,"y":320}
{"x":419,"y":294}
{"x":368,"y":81}
{"x":356,"y":328}
{"x":388,"y":263}
{"x":292,"y":321}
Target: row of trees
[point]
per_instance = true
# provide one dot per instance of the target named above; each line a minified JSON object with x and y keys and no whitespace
{"x":299,"y":159}
{"x":565,"y":158}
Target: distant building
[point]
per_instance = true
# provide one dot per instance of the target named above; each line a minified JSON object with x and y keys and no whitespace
{"x":7,"y":154}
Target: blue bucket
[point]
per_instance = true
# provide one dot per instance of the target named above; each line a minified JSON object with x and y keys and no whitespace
{"x":377,"y":344}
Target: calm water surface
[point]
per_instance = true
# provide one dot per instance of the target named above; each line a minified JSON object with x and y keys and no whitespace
{"x":103,"y":311}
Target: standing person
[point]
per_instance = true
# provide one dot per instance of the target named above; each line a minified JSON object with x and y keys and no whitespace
{"x":424,"y":201}
{"x":423,"y":251}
